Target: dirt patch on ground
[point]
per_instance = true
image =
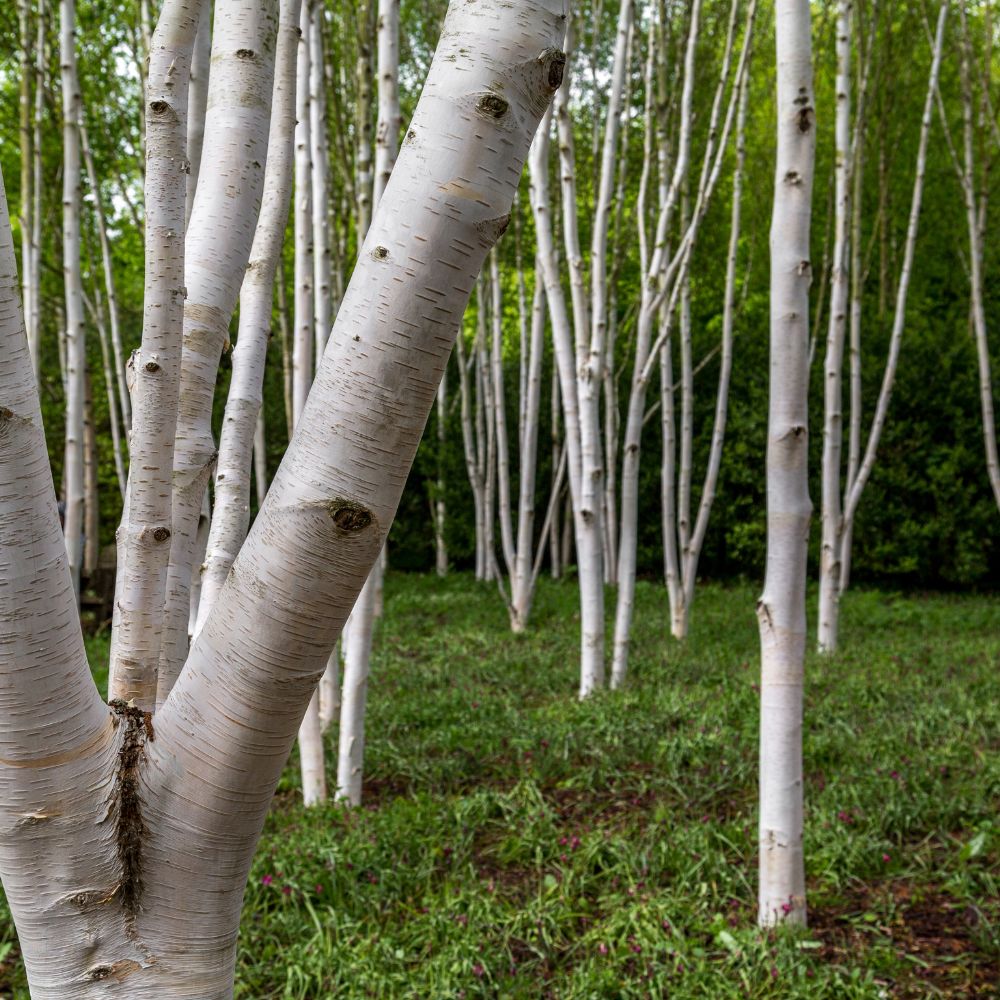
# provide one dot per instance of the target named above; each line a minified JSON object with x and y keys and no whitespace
{"x":942,"y":946}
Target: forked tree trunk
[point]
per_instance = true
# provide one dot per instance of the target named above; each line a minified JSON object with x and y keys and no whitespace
{"x":781,"y":610}
{"x":855,"y":488}
{"x":114,"y":815}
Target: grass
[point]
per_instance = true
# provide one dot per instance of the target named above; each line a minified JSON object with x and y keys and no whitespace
{"x":518,"y":844}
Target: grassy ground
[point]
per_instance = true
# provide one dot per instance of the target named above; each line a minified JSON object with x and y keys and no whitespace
{"x":518,"y":844}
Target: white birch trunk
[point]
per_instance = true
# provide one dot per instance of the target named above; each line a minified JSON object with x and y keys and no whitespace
{"x":587,"y":360}
{"x":320,"y":155}
{"x":124,"y":402}
{"x":440,"y":507}
{"x":856,"y":488}
{"x":357,"y":648}
{"x":231,"y":517}
{"x":833,"y":403}
{"x":588,"y":540}
{"x":781,"y":609}
{"x":201,"y":61}
{"x":76,"y":354}
{"x":968,"y":182}
{"x":217,"y":249}
{"x":144,"y":534}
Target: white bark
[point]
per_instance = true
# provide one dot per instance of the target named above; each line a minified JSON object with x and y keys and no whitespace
{"x":781,"y":609}
{"x":217,"y":249}
{"x":829,"y":567}
{"x":124,"y":402}
{"x":588,"y":539}
{"x":201,"y":61}
{"x":319,"y":176}
{"x":664,"y":282}
{"x":856,"y":488}
{"x":440,"y":508}
{"x":357,"y":648}
{"x":144,"y":534}
{"x":76,"y":354}
{"x":967,"y":178}
{"x":587,"y":358}
{"x":231,"y":517}
{"x":260,"y":457}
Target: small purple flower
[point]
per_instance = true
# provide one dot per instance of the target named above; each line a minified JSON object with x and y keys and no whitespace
{"x":886,"y":858}
{"x":478,"y":970}
{"x":602,"y":948}
{"x":267,"y":879}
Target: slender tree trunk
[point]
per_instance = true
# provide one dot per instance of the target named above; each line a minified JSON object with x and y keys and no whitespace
{"x":226,"y":205}
{"x":109,"y":284}
{"x":697,"y":539}
{"x":260,"y":455}
{"x":76,"y":348}
{"x":231,"y":517}
{"x":831,"y":521}
{"x":522,"y":589}
{"x":856,"y":488}
{"x":143,"y":538}
{"x":320,"y":158}
{"x":589,"y":357}
{"x":440,"y":509}
{"x":972,"y":215}
{"x":91,"y":502}
{"x":357,"y":649}
{"x":588,"y":539}
{"x":781,"y":609}
{"x":33,"y":303}
{"x":201,"y":61}
{"x":27,"y":136}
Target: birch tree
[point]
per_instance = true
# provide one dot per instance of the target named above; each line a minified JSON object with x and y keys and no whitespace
{"x":841,"y":530}
{"x":113,"y":812}
{"x":76,"y":348}
{"x":781,"y":610}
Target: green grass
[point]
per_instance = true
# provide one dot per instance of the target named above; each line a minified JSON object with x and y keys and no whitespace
{"x":518,"y":844}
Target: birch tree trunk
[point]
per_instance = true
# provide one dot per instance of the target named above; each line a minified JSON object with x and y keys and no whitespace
{"x":144,"y":534}
{"x":440,"y":509}
{"x":201,"y":61}
{"x":829,"y":566}
{"x":781,"y":609}
{"x":147,"y":806}
{"x":967,"y":179}
{"x":857,"y":486}
{"x":231,"y":517}
{"x":588,"y":540}
{"x":357,"y":647}
{"x":27,"y":136}
{"x":217,"y":249}
{"x":76,"y":348}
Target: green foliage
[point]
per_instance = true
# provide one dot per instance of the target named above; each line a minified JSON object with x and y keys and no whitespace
{"x":516,"y":843}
